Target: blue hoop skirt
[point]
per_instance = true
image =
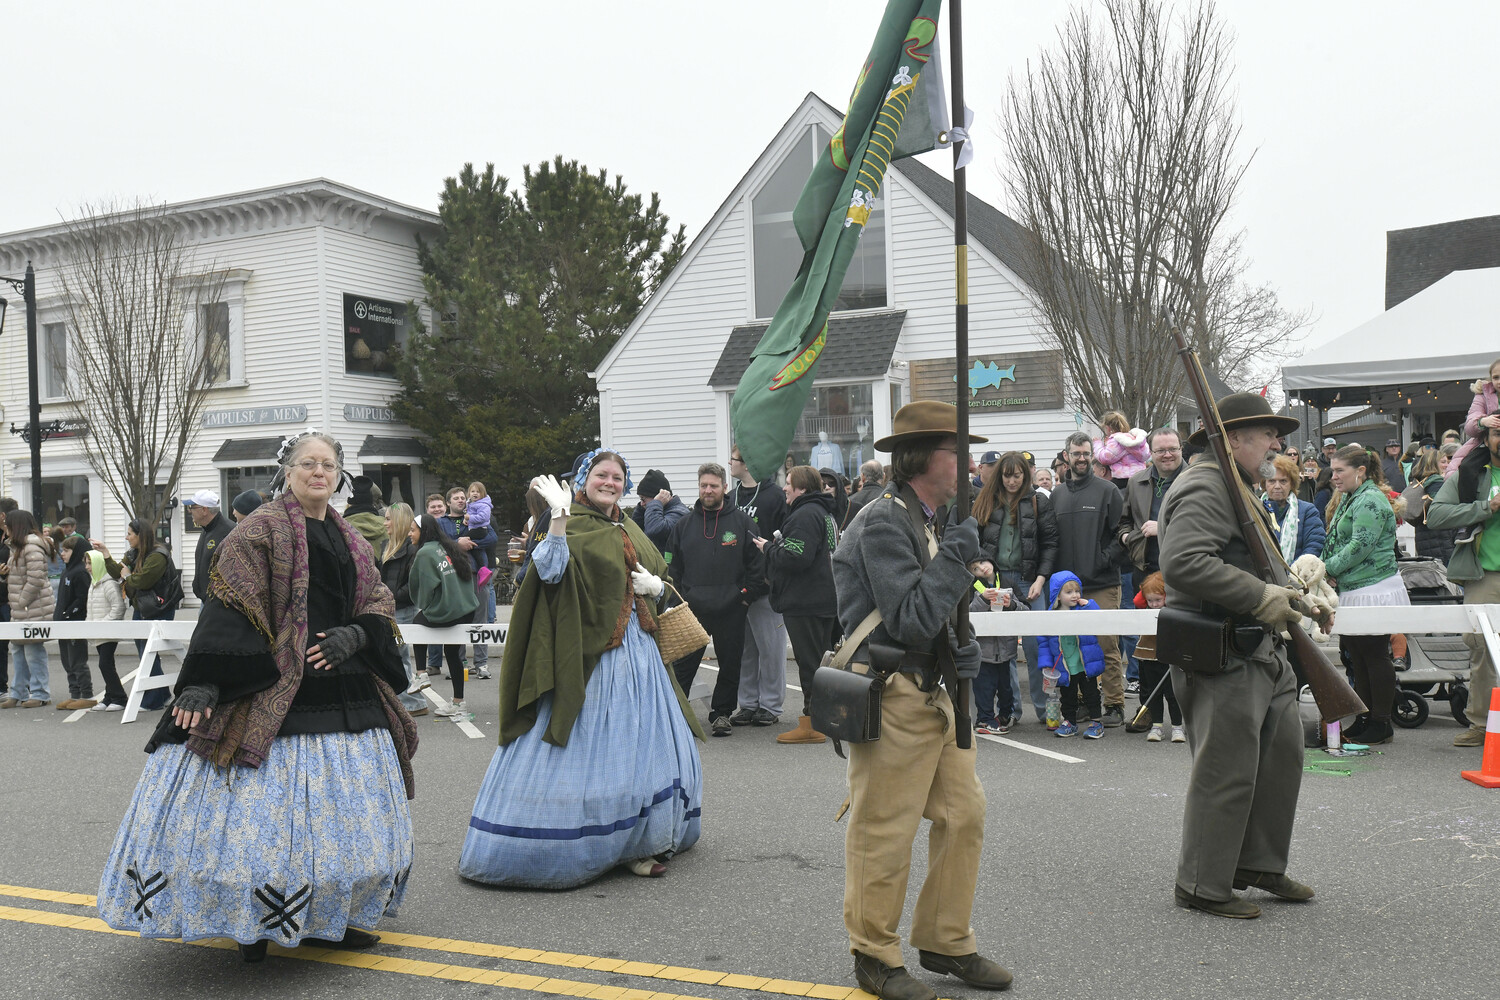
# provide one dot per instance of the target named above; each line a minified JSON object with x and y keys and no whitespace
{"x":315,"y":840}
{"x":627,"y":786}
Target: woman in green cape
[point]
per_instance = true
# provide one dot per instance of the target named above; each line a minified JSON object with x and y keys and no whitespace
{"x":596,"y":765}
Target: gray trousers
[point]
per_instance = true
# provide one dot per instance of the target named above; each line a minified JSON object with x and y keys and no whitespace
{"x":1246,"y":738}
{"x":763,"y":665}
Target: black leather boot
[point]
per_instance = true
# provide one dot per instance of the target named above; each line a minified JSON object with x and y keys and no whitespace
{"x":254,"y":952}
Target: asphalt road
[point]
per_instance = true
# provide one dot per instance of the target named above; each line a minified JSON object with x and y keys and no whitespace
{"x":1074,"y":896}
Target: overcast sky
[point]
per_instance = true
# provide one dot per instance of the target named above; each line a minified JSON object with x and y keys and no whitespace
{"x":1363,"y":116}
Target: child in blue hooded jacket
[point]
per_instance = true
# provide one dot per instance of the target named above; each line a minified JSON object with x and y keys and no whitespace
{"x":1078,"y":658}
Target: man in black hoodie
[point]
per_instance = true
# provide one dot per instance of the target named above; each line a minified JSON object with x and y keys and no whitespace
{"x":72,"y":606}
{"x":1088,"y":513}
{"x":719,"y":572}
{"x":800,"y":567}
{"x":763,"y":666}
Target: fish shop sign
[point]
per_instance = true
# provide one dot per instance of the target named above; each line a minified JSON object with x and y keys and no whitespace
{"x":1027,"y":380}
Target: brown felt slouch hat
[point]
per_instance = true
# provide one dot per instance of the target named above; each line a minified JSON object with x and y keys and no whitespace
{"x":924,"y":418}
{"x":1246,"y":409}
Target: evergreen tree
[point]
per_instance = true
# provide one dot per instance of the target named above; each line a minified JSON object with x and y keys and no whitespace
{"x":531,"y":288}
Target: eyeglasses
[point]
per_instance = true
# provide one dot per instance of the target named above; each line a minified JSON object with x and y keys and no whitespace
{"x":1166,"y":451}
{"x":309,"y":464}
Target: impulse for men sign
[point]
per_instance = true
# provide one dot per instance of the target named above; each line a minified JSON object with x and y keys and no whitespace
{"x":1029,"y":380}
{"x":372,"y":327}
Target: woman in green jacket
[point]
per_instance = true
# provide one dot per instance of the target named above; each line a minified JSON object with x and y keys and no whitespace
{"x":1360,"y":555}
{"x":143,"y":568}
{"x":441,"y":586}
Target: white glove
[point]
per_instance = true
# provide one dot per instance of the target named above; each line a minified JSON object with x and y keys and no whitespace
{"x":554,"y":493}
{"x":646,"y":583}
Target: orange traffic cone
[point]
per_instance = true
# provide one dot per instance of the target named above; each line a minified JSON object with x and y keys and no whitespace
{"x":1488,"y":774}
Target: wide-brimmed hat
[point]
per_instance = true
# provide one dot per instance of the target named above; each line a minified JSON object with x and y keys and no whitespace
{"x":925,"y":418}
{"x":1247,"y":409}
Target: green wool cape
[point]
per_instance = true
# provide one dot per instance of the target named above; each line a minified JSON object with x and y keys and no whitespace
{"x":558,"y":631}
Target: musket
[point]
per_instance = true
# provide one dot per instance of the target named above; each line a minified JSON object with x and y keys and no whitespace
{"x":1335,"y":698}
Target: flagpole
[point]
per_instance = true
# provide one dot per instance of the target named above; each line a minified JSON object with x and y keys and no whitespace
{"x":960,"y":335}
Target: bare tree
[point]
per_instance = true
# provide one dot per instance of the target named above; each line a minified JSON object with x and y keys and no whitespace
{"x":147,"y":336}
{"x":1122,"y":165}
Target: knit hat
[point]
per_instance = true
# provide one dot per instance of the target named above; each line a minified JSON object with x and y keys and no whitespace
{"x":652,"y":483}
{"x":364,"y":491}
{"x":246,"y":502}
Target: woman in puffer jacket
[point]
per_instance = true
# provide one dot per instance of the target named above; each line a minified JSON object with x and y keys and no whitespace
{"x":31,"y":600}
{"x":1123,"y":450}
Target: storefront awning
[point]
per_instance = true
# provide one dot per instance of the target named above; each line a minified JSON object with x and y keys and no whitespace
{"x":1444,"y":333}
{"x":248,"y":451}
{"x":392,"y":451}
{"x":859,"y":346}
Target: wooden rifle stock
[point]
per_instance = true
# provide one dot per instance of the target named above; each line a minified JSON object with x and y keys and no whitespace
{"x":1335,"y":698}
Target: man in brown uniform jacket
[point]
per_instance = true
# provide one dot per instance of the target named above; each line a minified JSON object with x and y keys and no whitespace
{"x":1242,"y":724}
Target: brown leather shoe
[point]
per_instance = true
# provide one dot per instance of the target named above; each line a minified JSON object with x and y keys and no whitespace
{"x":33,"y":703}
{"x":1234,"y":907}
{"x":973,"y":968}
{"x":1275,"y":883}
{"x":887,"y":981}
{"x":9,"y":702}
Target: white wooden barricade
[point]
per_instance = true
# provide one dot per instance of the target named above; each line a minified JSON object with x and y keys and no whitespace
{"x":169,"y":639}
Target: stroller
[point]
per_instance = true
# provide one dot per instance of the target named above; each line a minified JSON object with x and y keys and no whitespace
{"x":1438,"y":663}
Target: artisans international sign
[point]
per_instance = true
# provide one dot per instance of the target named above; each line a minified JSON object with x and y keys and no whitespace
{"x":1027,"y":380}
{"x":254,"y":415}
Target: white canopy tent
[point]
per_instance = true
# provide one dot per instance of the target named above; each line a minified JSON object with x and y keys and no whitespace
{"x":1448,"y":332}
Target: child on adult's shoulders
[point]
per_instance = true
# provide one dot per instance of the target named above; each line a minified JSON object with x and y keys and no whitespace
{"x":1079,"y":659}
{"x":997,"y":655}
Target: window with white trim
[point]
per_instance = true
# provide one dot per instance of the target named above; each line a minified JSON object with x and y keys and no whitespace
{"x":54,"y":361}
{"x":213,"y":318}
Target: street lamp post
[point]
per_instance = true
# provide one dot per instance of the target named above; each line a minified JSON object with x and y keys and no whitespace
{"x":27,"y":287}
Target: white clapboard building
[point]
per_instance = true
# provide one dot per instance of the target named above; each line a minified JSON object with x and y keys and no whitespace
{"x":316,"y":281}
{"x":666,"y":386}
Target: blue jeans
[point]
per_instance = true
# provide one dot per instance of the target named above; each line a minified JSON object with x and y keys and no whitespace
{"x":411,"y":702}
{"x":1020,"y":588}
{"x":486,"y":616}
{"x":993,"y":683}
{"x":29,"y":670}
{"x":1127,"y":642}
{"x":157,"y":697}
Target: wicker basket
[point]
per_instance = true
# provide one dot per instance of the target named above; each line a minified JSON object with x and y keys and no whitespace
{"x":678,"y":631}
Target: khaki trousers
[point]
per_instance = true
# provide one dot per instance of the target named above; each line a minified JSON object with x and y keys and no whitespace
{"x":1482,"y":677}
{"x":1246,"y":738}
{"x":1112,"y":681}
{"x":914,"y":771}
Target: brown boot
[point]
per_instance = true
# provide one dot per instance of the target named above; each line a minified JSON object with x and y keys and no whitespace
{"x":804,"y":733}
{"x":1471,"y":737}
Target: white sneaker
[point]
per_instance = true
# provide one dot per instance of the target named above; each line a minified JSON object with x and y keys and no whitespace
{"x":107,"y":707}
{"x":1154,"y":736}
{"x":419,"y":682}
{"x":456,"y":710}
{"x":1178,"y":736}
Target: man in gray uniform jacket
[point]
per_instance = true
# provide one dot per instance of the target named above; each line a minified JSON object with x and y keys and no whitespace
{"x":1242,"y":724}
{"x":891,"y":560}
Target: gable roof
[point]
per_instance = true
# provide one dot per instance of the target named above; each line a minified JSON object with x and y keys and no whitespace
{"x":859,"y":346}
{"x":1422,"y":256}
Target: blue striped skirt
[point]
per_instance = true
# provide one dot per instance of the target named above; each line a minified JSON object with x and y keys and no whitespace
{"x":627,"y":786}
{"x":315,"y":840}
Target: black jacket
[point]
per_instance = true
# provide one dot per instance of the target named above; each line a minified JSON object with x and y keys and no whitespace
{"x":72,"y":603}
{"x":394,"y":572}
{"x":1088,"y":520}
{"x":800,"y":563}
{"x":715,"y":565}
{"x":862,"y":496}
{"x":765,"y":503}
{"x":1038,"y":536}
{"x":208,"y":540}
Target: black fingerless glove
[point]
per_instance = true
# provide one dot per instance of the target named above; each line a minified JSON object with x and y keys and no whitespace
{"x":197,"y":698}
{"x":341,"y":643}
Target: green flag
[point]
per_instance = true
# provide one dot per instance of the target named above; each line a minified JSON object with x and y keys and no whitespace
{"x":898,"y":86}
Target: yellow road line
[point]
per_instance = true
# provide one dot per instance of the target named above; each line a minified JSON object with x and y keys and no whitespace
{"x":389,"y":963}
